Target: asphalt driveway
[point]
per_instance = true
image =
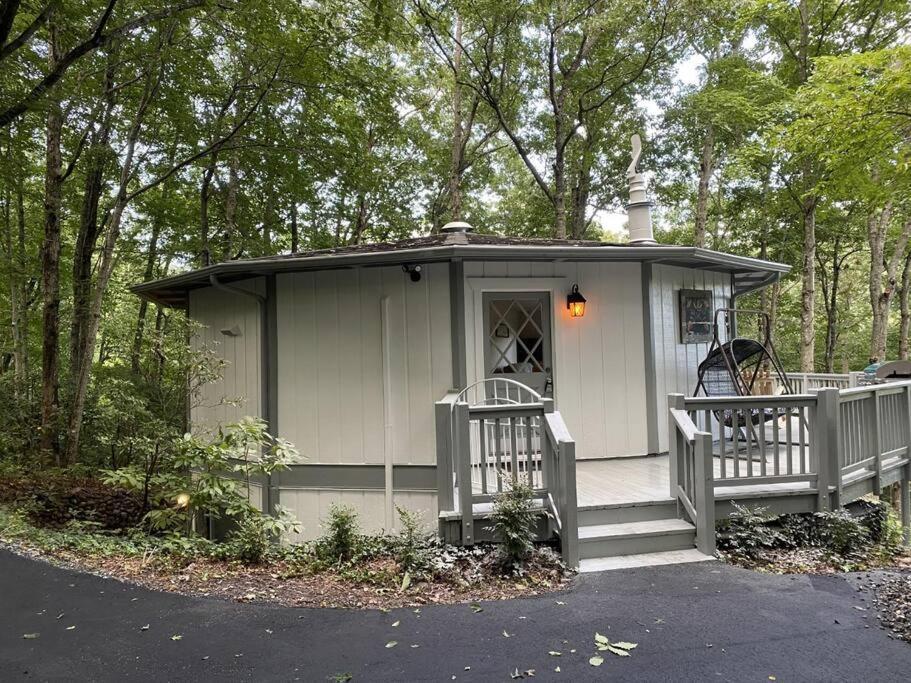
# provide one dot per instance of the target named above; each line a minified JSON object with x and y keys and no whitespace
{"x":691,"y":622}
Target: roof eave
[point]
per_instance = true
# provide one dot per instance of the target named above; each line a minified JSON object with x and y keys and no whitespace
{"x":679,"y":255}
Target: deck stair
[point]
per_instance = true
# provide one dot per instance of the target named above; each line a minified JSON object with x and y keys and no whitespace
{"x":641,"y":534}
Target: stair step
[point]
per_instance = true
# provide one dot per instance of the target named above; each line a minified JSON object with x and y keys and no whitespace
{"x":630,"y":538}
{"x":627,"y":512}
{"x":606,"y":564}
{"x":652,"y":527}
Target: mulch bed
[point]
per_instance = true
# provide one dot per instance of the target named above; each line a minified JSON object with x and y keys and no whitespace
{"x":891,"y":596}
{"x":280,"y":583}
{"x":893,"y":603}
{"x":802,"y":561}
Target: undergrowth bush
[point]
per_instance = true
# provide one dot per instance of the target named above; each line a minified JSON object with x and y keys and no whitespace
{"x":412,"y":548}
{"x":340,"y":541}
{"x":208,"y":477}
{"x":845,"y":539}
{"x":513,"y":524}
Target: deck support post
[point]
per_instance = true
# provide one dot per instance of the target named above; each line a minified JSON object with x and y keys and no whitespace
{"x":461,"y":453}
{"x":443,"y":415}
{"x":677,"y":401}
{"x":906,"y":474}
{"x":570,"y":513}
{"x":906,"y":504}
{"x":826,"y":448}
{"x":877,"y":445}
{"x":705,"y":493}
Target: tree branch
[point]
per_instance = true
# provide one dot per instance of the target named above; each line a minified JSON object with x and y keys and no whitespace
{"x":98,"y":39}
{"x":213,"y":146}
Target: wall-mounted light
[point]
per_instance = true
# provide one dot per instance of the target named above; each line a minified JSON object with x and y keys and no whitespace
{"x":414,"y":271}
{"x":575,"y":303}
{"x":231,"y":331}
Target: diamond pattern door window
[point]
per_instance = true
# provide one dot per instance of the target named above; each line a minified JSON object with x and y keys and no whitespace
{"x":516,"y":341}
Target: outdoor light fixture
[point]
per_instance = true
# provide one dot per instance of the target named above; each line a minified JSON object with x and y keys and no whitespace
{"x":414,"y":271}
{"x":575,"y":303}
{"x":231,"y":331}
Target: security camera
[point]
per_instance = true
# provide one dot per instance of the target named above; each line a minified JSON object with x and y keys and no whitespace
{"x":414,"y":271}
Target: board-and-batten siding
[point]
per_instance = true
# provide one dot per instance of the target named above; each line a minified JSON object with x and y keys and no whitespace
{"x":599,"y":360}
{"x":237,"y":391}
{"x":676,"y":364}
{"x":363,"y":354}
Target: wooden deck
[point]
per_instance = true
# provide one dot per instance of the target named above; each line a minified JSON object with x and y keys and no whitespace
{"x":621,"y":481}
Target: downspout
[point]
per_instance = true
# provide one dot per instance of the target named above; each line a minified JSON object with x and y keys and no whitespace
{"x":266,"y":407}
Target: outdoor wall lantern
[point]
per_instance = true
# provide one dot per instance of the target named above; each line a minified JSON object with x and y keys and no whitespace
{"x":575,"y":302}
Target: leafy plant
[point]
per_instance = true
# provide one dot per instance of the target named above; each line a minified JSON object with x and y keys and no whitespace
{"x":255,"y":534}
{"x":196,"y":475}
{"x":845,"y":539}
{"x":412,"y":551}
{"x":340,"y":541}
{"x":748,"y":531}
{"x":513,"y":523}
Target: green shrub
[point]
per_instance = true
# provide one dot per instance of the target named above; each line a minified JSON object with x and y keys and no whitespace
{"x":255,"y":535}
{"x":248,"y":541}
{"x":194,"y":476}
{"x":412,"y":548}
{"x":513,"y":524}
{"x":845,"y":537}
{"x":749,"y":531}
{"x":340,"y":541}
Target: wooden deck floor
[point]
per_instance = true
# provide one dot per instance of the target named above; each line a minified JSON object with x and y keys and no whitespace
{"x":645,"y":479}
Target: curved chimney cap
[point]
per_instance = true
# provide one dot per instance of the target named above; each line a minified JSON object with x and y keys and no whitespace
{"x":457,"y":226}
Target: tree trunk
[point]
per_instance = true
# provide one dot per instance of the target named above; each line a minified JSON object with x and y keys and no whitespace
{"x":106,"y":263}
{"x":50,"y":265}
{"x":231,"y":208}
{"x":559,"y":190}
{"x":205,"y":251}
{"x":84,"y":250}
{"x":22,"y":318}
{"x":455,"y":168}
{"x":879,"y":299}
{"x":905,"y":324}
{"x":706,"y":169}
{"x":881,"y":293}
{"x":361,"y":223}
{"x":808,"y":288}
{"x":151,"y":259}
{"x":87,"y":237}
{"x":11,"y":277}
{"x":831,"y":303}
{"x":295,"y":234}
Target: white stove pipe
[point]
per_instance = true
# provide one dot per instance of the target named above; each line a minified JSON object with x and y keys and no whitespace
{"x":639,"y":208}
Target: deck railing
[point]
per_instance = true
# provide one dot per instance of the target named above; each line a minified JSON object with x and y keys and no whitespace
{"x":805,"y":382}
{"x":825,"y":442}
{"x":691,"y":473}
{"x":484,"y":446}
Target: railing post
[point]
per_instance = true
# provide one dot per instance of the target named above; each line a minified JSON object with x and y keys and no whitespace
{"x":443,"y":414}
{"x":705,"y":493}
{"x":569,"y":516}
{"x":906,"y":474}
{"x":677,"y":401}
{"x":461,"y":453}
{"x":877,"y":444}
{"x":548,"y":467}
{"x":825,"y":435}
